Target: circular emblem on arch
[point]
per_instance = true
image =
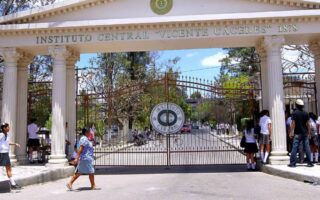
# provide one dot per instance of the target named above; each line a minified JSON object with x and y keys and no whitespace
{"x":161,"y":7}
{"x":167,"y":118}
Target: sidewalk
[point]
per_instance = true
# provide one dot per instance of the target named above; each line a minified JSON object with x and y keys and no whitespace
{"x":34,"y":174}
{"x":299,"y":173}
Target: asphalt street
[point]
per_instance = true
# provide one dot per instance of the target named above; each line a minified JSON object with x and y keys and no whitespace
{"x":200,"y":147}
{"x":219,"y":182}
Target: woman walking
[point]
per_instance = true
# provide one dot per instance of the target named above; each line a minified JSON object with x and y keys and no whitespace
{"x":4,"y":153}
{"x":84,"y":159}
{"x":251,"y":145}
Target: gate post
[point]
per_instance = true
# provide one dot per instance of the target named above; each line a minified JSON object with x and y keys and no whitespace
{"x":315,"y":49}
{"x":279,"y":152}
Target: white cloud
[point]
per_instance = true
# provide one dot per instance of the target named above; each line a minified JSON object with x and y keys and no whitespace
{"x":189,"y":55}
{"x":291,"y":55}
{"x":214,"y":60}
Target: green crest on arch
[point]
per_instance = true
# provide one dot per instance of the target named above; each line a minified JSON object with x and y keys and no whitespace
{"x":161,"y":7}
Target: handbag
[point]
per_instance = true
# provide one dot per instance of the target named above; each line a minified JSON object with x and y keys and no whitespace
{"x":243,"y":141}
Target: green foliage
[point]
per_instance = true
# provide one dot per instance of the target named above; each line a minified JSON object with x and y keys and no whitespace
{"x":204,"y":112}
{"x":196,"y":95}
{"x":48,"y":124}
{"x":100,"y":128}
{"x":240,"y":61}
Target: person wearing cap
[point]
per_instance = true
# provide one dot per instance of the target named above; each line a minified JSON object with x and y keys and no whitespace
{"x":300,"y":132}
{"x":4,"y":153}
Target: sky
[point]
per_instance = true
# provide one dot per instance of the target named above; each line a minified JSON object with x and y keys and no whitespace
{"x":197,"y":63}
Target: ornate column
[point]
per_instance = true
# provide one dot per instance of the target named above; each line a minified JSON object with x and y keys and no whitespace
{"x":71,"y":98}
{"x":264,"y":78}
{"x":9,"y":95}
{"x":279,"y":152}
{"x":315,"y":49}
{"x":58,"y":129}
{"x":22,"y":106}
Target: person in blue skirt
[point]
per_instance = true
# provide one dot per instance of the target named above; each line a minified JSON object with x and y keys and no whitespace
{"x":4,"y":153}
{"x":84,"y":160}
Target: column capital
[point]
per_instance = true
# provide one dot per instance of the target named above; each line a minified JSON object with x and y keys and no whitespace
{"x":10,"y":54}
{"x":261,"y":50}
{"x":274,"y":42}
{"x":58,"y":52}
{"x":314,"y":46}
{"x":25,"y":60}
{"x":73,"y":57}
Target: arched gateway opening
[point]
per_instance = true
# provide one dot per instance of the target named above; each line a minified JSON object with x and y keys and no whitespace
{"x":68,"y":28}
{"x":209,"y":135}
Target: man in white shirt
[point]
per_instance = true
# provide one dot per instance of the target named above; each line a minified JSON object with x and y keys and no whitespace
{"x":33,"y":140}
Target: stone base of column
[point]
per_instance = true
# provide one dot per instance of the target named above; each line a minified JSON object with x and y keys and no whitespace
{"x":22,"y":159}
{"x":279,"y":158}
{"x":13,"y":160}
{"x":57,"y":161}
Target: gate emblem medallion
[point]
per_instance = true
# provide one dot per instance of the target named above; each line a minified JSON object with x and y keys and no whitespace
{"x":167,"y":118}
{"x":161,"y":7}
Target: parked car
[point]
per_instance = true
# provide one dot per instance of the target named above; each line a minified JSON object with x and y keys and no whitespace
{"x":186,"y":129}
{"x":195,"y":126}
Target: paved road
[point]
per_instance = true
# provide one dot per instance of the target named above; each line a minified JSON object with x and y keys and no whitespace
{"x":199,"y":147}
{"x":224,"y":182}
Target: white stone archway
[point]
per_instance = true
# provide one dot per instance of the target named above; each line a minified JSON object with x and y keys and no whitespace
{"x":66,"y":29}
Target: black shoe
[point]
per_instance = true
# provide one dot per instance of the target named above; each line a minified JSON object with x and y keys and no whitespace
{"x":310,"y":165}
{"x":15,"y":187}
{"x":291,"y":165}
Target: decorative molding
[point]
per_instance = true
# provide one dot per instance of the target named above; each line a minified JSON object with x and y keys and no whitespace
{"x":274,"y":42}
{"x":73,"y":57}
{"x":293,"y":3}
{"x":314,"y":46}
{"x":161,"y":25}
{"x":10,"y":55}
{"x":61,"y":7}
{"x":59,"y":53}
{"x":25,"y":60}
{"x":51,"y":10}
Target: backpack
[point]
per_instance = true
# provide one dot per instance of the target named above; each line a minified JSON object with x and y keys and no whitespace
{"x":257,"y":130}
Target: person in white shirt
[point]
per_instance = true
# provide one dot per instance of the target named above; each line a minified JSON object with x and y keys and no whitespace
{"x":33,"y":140}
{"x":251,"y":145}
{"x":265,"y":136}
{"x":4,"y":153}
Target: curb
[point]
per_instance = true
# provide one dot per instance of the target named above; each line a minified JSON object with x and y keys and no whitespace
{"x":290,"y":175}
{"x":51,"y":175}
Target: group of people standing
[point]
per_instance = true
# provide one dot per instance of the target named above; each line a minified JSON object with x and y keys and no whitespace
{"x":303,"y":131}
{"x":261,"y":132}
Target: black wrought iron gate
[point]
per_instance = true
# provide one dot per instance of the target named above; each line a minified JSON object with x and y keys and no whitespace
{"x":210,"y":134}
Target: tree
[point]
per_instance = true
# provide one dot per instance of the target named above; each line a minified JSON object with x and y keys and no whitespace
{"x":240,"y":61}
{"x":196,"y":95}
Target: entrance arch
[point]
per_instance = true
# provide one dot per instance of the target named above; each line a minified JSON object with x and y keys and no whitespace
{"x":68,"y":28}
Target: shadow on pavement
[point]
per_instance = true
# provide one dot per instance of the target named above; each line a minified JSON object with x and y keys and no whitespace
{"x":172,"y":169}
